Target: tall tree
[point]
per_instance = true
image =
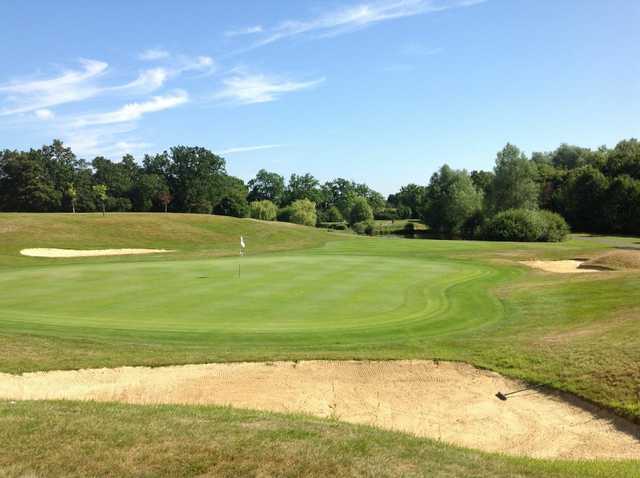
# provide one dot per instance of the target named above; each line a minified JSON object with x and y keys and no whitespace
{"x":514,"y":185}
{"x":266,"y":185}
{"x":302,"y":187}
{"x":450,"y":200}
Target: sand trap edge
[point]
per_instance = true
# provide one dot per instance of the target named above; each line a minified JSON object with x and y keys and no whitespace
{"x":64,"y":253}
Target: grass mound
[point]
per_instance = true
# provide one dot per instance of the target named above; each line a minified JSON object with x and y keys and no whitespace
{"x":187,"y":234}
{"x":617,"y":260}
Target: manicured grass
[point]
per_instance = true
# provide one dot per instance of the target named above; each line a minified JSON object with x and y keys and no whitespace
{"x":89,"y":439}
{"x":302,"y":294}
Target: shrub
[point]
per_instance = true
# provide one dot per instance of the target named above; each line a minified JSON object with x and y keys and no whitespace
{"x":387,"y":214}
{"x":333,"y":214}
{"x":409,"y":228}
{"x":338,"y":226}
{"x":201,"y":207}
{"x":264,"y":210}
{"x":363,"y":227}
{"x":525,"y":225}
{"x":284,"y":214}
{"x":360,"y":211}
{"x":556,"y":228}
{"x":303,"y":212}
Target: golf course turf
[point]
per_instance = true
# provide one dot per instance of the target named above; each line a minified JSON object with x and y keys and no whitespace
{"x":300,"y":293}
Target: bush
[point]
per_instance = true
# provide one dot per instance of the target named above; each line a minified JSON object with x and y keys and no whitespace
{"x":201,"y":207}
{"x":264,"y":210}
{"x":118,"y":204}
{"x":387,"y":214}
{"x":303,"y":212}
{"x":338,"y":226}
{"x":333,"y":214}
{"x":360,"y":211}
{"x":409,"y":228}
{"x":556,"y":228}
{"x":363,"y":227}
{"x":284,"y":214}
{"x":524,"y":225}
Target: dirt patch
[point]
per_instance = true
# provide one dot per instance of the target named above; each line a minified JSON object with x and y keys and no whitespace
{"x":447,"y":401}
{"x":562,"y":267}
{"x":47,"y":252}
{"x":617,"y":260}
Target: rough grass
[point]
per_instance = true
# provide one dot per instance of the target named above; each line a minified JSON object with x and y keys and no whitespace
{"x":89,"y":439}
{"x":617,"y":260}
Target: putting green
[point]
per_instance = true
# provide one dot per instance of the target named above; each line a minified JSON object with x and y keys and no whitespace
{"x":314,"y":292}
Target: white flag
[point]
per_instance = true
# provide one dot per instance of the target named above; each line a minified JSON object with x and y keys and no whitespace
{"x":242,"y":242}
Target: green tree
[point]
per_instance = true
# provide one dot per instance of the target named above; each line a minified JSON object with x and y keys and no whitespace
{"x":234,"y":198}
{"x":333,"y":214}
{"x":264,"y":210}
{"x":195,"y":177}
{"x":25,"y":184}
{"x":408,"y":200}
{"x":303,"y":212}
{"x":514,"y":185}
{"x":302,"y":187}
{"x":582,"y":198}
{"x":450,"y":200}
{"x":360,"y":211}
{"x":266,"y":185}
{"x":72,"y":194}
{"x":100,"y":191}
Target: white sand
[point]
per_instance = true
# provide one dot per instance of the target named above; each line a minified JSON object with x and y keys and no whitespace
{"x":46,"y":252}
{"x":453,"y":402}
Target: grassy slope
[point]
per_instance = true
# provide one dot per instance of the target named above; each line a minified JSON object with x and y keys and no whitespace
{"x":89,"y":439}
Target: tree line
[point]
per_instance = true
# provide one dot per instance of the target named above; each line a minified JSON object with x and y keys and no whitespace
{"x":593,"y":190}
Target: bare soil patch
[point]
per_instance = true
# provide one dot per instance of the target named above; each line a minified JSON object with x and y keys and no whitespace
{"x":452,"y":402}
{"x":48,"y":252}
{"x":563,"y":267}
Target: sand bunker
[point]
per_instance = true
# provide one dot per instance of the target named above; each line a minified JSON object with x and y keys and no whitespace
{"x":562,"y":267}
{"x":448,"y":401}
{"x":45,"y":252}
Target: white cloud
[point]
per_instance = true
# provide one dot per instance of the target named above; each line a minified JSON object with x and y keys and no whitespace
{"x":245,"y":149}
{"x":203,"y":64}
{"x":246,"y":89}
{"x":359,"y":16}
{"x":111,"y":141}
{"x":147,"y":80}
{"x":154,"y":54}
{"x":73,"y":85}
{"x":245,"y":31}
{"x":134,"y":111}
{"x":44,"y":114}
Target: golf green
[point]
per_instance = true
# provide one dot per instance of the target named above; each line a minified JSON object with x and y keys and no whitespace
{"x":319,"y":292}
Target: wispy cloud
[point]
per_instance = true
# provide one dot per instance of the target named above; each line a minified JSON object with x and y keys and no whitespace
{"x":44,"y":114}
{"x":112,"y":141}
{"x":72,"y":85}
{"x":134,"y":111}
{"x":243,"y":88}
{"x":245,"y":149}
{"x":245,"y":31}
{"x":154,"y":54}
{"x":147,"y":81}
{"x":355,"y":17}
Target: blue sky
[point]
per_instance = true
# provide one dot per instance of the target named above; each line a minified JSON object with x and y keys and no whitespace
{"x":380,"y":91}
